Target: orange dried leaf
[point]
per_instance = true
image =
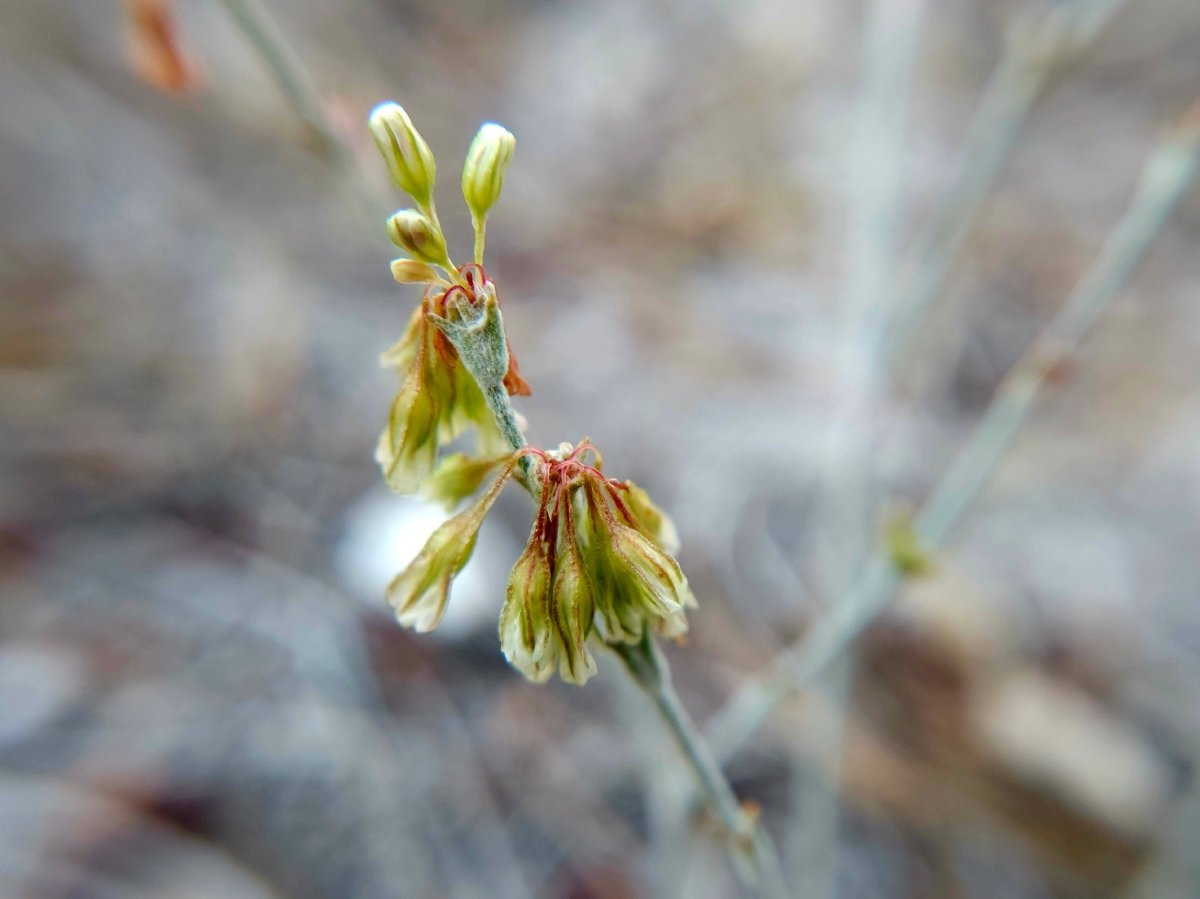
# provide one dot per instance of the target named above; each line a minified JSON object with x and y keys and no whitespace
{"x":154,"y":47}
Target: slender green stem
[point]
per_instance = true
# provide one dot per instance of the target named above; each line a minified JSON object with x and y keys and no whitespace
{"x":480,"y":226}
{"x":753,"y":852}
{"x":506,"y":418}
{"x":1165,"y":179}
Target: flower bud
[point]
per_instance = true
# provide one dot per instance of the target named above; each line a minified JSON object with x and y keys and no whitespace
{"x":414,"y":233}
{"x":650,"y":519}
{"x":408,"y":445}
{"x":636,"y":581}
{"x":660,"y":582}
{"x":410,"y":271}
{"x":572,"y":609}
{"x":400,"y":355}
{"x":483,"y":173}
{"x":408,"y":157}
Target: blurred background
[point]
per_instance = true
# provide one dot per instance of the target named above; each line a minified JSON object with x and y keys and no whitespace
{"x":202,"y":691}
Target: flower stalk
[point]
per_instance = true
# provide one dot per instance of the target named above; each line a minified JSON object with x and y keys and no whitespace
{"x":598,"y":570}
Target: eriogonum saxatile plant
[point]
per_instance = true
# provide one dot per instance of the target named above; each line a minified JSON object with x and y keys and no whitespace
{"x":598,"y":567}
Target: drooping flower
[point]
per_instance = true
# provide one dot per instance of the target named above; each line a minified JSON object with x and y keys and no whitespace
{"x":453,"y":354}
{"x":595,"y":564}
{"x":420,"y":592}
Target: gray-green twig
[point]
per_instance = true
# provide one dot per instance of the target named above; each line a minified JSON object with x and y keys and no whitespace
{"x":752,"y":849}
{"x":297,"y":89}
{"x":1165,"y":179}
{"x":750,"y":846}
{"x":1036,"y":48}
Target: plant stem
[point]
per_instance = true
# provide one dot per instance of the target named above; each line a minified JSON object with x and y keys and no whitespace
{"x":480,"y":227}
{"x":297,"y":89}
{"x":847,"y":494}
{"x":506,"y":419}
{"x":1166,"y":177}
{"x":752,"y":850}
{"x":1034,"y":51}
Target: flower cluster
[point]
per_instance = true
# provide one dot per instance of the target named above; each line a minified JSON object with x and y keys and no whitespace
{"x":439,"y":398}
{"x":599,"y":557}
{"x":598,"y":567}
{"x":441,"y":392}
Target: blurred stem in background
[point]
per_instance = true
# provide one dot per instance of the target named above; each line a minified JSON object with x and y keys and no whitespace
{"x":751,"y":848}
{"x":877,"y":335}
{"x":1165,"y":179}
{"x":301,"y":95}
{"x":848,"y":497}
{"x":1039,"y":45}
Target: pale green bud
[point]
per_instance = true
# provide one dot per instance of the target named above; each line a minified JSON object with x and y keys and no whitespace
{"x":410,"y":271}
{"x":483,"y":173}
{"x":417,"y":235}
{"x":572,"y":609}
{"x":408,"y":446}
{"x":636,"y":581}
{"x":651,"y":520}
{"x":408,"y":157}
{"x":402,"y":353}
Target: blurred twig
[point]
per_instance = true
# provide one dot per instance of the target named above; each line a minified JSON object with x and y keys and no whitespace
{"x":1167,"y":175}
{"x":297,"y":88}
{"x":848,"y":493}
{"x":751,"y":847}
{"x":1037,"y":47}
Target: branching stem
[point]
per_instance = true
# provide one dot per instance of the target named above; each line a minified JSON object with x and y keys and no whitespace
{"x":1167,"y":175}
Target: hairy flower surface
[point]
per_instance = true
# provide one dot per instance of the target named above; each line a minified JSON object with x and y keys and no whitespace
{"x":438,"y":400}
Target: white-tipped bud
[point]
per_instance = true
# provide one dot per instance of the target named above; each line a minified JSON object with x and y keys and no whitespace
{"x":483,"y":173}
{"x":408,"y":157}
{"x":414,"y":233}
